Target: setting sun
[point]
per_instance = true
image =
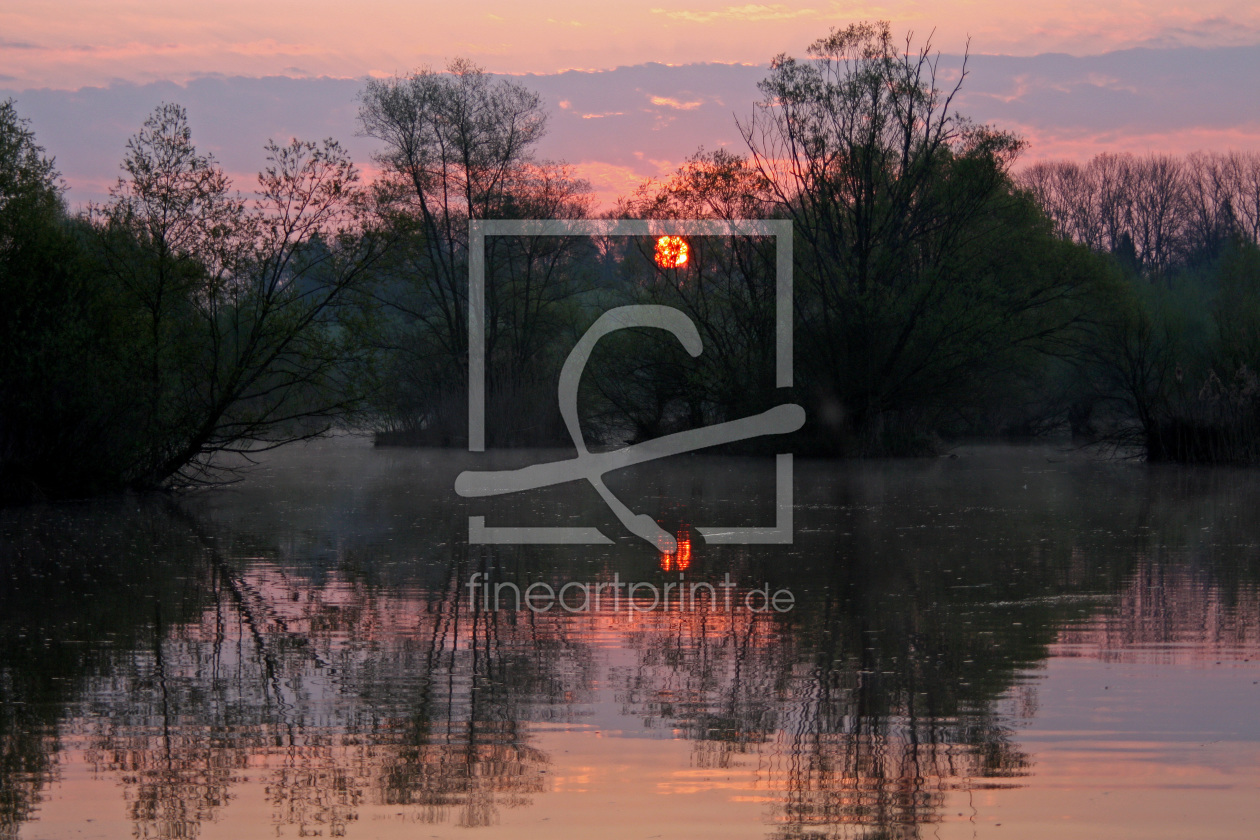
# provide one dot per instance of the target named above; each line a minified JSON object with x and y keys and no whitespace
{"x":671,"y":252}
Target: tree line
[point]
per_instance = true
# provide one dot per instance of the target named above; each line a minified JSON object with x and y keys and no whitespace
{"x":939,"y":291}
{"x":1159,"y":213}
{"x":1172,"y":364}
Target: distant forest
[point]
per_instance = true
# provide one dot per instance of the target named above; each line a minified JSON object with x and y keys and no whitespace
{"x":941,"y":291}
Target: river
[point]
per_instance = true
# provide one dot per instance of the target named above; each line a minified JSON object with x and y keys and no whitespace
{"x":1017,"y":641}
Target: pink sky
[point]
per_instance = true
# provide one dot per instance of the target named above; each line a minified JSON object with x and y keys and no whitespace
{"x":86,"y":72}
{"x":73,"y":43}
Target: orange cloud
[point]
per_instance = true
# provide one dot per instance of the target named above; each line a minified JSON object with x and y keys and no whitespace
{"x":670,"y":102}
{"x":748,"y":12}
{"x":611,"y":182}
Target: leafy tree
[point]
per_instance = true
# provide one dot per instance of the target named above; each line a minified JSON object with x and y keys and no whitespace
{"x":178,"y":323}
{"x":459,"y":146}
{"x":61,"y":385}
{"x":913,"y":247}
{"x":29,"y":183}
{"x":237,"y":302}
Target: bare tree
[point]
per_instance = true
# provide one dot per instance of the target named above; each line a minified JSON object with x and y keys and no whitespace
{"x":1070,"y":194}
{"x":1159,"y":202}
{"x":1245,"y":177}
{"x":1156,"y":212}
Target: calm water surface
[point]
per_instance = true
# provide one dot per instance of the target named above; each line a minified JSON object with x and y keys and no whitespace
{"x":1017,"y":642}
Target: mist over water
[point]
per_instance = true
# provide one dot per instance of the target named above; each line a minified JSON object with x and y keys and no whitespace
{"x":1016,"y":636}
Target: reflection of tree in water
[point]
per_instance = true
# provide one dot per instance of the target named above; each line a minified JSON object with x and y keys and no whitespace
{"x":843,"y":749}
{"x":460,"y":750}
{"x":1169,"y":612}
{"x":716,"y":677}
{"x":900,"y":707}
{"x":183,"y":673}
{"x":338,"y":696}
{"x":184,"y":666}
{"x":74,"y":576}
{"x":1193,"y":591}
{"x":843,"y":774}
{"x":28,"y":747}
{"x":899,"y":679}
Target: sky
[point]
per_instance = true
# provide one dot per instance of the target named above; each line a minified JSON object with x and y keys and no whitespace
{"x":633,"y":87}
{"x":72,"y":43}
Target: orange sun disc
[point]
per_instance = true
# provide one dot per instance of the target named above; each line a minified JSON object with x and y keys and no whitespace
{"x":671,"y":251}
